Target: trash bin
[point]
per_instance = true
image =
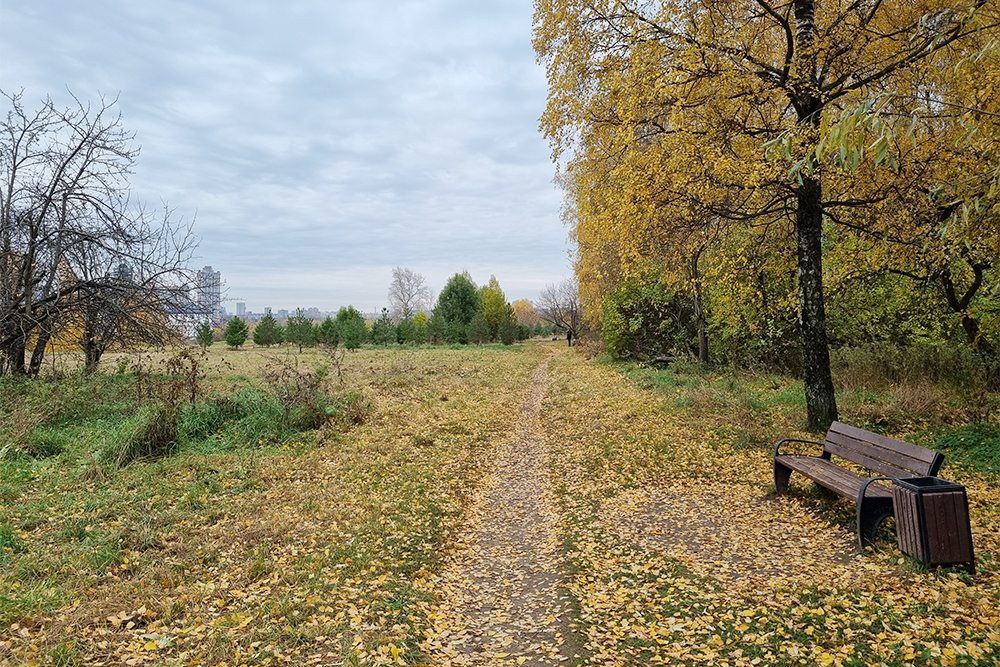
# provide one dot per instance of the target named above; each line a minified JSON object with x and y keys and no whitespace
{"x":932,"y":521}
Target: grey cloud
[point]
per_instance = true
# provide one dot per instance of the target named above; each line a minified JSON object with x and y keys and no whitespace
{"x":325,"y":139}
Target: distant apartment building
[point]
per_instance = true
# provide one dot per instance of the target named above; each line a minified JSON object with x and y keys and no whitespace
{"x":210,"y":292}
{"x":241,"y":309}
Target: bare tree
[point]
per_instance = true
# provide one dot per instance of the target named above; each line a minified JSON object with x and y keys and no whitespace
{"x":560,"y":304}
{"x":69,"y":234}
{"x":408,"y":293}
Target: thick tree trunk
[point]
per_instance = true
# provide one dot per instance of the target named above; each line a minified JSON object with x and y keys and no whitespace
{"x":821,"y":402}
{"x":14,"y":353}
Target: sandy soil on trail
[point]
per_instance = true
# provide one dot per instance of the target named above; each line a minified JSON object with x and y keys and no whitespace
{"x":501,"y":600}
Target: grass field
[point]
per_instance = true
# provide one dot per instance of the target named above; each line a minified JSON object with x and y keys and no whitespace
{"x":256,"y":540}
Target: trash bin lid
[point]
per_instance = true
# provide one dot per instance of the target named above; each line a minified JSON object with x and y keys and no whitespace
{"x":924,"y":484}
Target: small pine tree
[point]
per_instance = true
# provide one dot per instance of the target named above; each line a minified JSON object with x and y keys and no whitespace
{"x":351,"y":326}
{"x":508,"y":328}
{"x":205,"y":334}
{"x":327,"y":333}
{"x":406,"y":332}
{"x":382,"y":329}
{"x":300,"y":330}
{"x":479,"y":329}
{"x":267,"y":332}
{"x":236,"y":333}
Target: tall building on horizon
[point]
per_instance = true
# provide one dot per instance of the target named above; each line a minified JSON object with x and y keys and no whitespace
{"x":210,"y":292}
{"x":241,"y":309}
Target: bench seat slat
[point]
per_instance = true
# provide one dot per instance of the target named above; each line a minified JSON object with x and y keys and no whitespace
{"x":922,"y":454}
{"x":840,"y":480}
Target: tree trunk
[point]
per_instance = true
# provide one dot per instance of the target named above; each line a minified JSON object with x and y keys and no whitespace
{"x":991,"y":359}
{"x":701,"y":325}
{"x":821,"y":402}
{"x":14,"y":352}
{"x":38,"y":354}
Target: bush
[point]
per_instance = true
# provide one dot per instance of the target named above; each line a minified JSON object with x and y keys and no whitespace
{"x":643,"y":319}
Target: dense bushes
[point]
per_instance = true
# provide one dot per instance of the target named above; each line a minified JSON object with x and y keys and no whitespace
{"x":644,"y":319}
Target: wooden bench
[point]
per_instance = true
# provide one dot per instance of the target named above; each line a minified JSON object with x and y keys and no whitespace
{"x":886,"y":457}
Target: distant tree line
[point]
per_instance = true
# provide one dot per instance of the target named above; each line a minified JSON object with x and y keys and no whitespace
{"x":464,"y":313}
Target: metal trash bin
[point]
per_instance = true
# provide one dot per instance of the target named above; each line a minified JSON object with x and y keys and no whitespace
{"x":932,"y":521}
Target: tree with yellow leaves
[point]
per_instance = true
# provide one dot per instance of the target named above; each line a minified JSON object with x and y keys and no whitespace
{"x":679,"y":103}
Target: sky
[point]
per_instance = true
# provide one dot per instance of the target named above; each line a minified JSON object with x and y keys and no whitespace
{"x":317,"y":144}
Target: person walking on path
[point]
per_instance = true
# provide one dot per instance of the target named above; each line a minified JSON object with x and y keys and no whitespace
{"x":569,"y":336}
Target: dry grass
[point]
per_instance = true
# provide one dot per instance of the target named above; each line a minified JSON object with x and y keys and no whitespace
{"x":317,"y":548}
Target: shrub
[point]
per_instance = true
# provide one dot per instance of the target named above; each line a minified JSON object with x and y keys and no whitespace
{"x":643,"y":318}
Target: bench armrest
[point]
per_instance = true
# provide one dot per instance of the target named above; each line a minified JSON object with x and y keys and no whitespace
{"x":864,"y":487}
{"x":777,"y":446}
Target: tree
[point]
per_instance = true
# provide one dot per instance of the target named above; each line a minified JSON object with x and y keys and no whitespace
{"x":236,"y":333}
{"x":421,"y":328}
{"x":382,"y":329}
{"x":205,"y":334}
{"x":525,"y":313}
{"x":494,"y":306}
{"x":68,"y":227}
{"x":408,"y":293}
{"x":690,"y":97}
{"x":406,"y":332}
{"x":299,"y":330}
{"x":327,"y":333}
{"x":459,"y":301}
{"x":267,"y":332}
{"x":560,"y":304}
{"x":478,"y":330}
{"x":509,"y":330}
{"x":352,"y":328}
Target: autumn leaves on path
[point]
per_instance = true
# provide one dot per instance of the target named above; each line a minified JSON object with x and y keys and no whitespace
{"x":500,"y":601}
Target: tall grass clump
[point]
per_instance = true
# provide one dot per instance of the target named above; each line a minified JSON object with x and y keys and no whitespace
{"x":150,"y":433}
{"x":881,"y":365}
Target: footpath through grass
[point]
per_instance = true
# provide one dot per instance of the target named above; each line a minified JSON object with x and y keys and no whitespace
{"x":310,"y":550}
{"x":249,"y":546}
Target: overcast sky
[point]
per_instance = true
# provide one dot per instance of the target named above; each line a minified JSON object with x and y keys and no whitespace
{"x":319,"y":143}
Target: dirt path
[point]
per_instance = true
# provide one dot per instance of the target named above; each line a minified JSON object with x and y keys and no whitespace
{"x":501,"y":598}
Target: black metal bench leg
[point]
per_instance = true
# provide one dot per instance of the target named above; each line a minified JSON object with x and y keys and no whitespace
{"x":781,"y":475}
{"x":871,"y":513}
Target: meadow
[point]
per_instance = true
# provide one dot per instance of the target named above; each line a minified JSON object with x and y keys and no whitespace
{"x":261,"y":507}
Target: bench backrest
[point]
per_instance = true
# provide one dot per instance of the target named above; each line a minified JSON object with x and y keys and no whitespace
{"x":881,"y":454}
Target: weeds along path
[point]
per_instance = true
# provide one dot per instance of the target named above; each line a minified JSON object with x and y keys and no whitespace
{"x":499,"y":595}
